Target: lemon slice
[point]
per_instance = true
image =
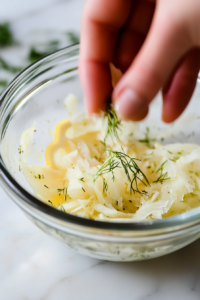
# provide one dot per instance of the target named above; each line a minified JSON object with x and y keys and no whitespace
{"x":60,"y":142}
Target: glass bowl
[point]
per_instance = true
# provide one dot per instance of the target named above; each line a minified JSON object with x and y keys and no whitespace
{"x":37,"y":94}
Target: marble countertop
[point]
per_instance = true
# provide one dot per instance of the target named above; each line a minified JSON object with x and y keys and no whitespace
{"x":33,"y":266}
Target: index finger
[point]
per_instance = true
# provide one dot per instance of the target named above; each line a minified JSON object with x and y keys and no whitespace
{"x":101,"y":22}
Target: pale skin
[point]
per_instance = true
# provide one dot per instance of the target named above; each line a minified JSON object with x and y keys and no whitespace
{"x":156,"y":44}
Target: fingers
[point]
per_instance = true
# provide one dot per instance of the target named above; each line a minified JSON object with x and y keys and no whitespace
{"x":133,"y":34}
{"x":154,"y":64}
{"x":177,"y":95}
{"x":101,"y":22}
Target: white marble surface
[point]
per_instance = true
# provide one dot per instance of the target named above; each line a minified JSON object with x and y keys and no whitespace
{"x":33,"y":266}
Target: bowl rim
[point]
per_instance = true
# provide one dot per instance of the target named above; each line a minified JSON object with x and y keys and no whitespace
{"x":192,"y":216}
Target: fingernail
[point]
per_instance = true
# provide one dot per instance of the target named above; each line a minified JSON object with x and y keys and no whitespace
{"x":129,"y":105}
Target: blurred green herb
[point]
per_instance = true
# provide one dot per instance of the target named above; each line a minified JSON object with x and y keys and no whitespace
{"x":54,"y":43}
{"x":8,"y":67}
{"x":35,"y":54}
{"x":105,"y":185}
{"x":147,"y":140}
{"x":73,"y":37}
{"x":6,"y":36}
{"x":50,"y":47}
{"x":3,"y":83}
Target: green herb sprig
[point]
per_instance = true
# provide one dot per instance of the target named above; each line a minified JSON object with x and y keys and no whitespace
{"x":63,"y":191}
{"x":62,"y":209}
{"x":107,"y":167}
{"x":82,"y":179}
{"x":113,"y":123}
{"x":119,"y":159}
{"x":163,"y":176}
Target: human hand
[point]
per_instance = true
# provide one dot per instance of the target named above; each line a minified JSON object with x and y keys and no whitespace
{"x":155,"y":44}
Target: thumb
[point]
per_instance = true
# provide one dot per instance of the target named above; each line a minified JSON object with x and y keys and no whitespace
{"x":165,"y":45}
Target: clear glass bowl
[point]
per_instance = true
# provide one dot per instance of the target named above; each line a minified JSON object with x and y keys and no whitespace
{"x":37,"y":94}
